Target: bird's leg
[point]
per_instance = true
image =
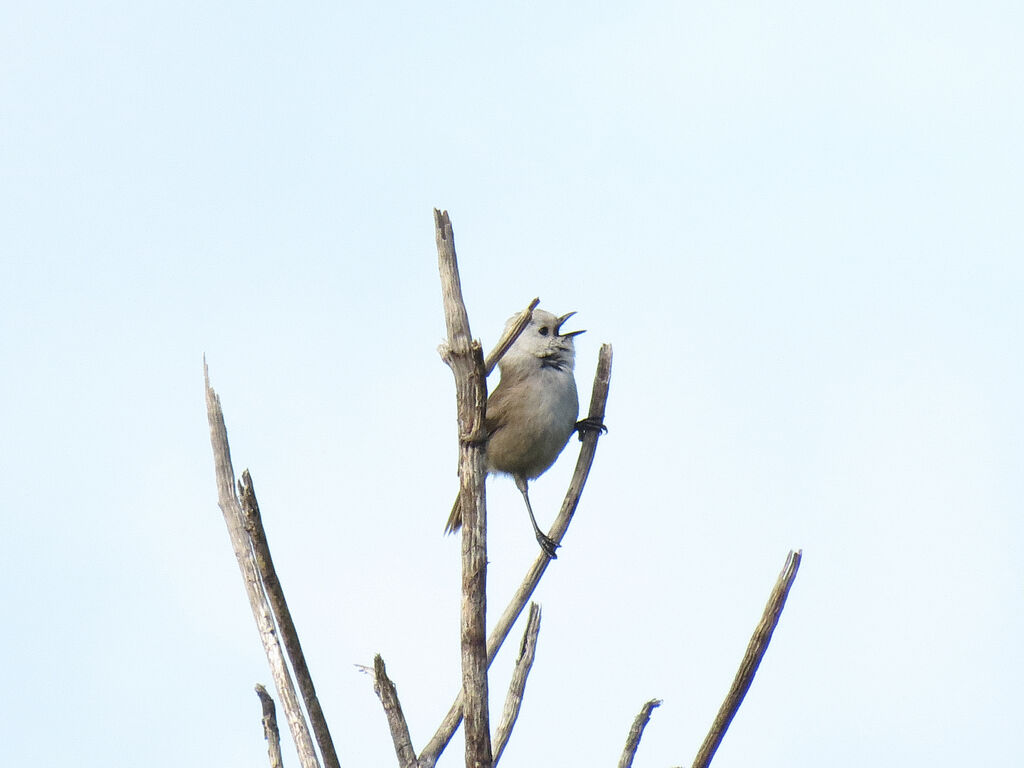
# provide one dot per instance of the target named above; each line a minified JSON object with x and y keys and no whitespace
{"x":545,"y":542}
{"x":589,"y":425}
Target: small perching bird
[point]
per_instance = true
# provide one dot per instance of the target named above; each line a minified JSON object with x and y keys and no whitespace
{"x":532,"y":412}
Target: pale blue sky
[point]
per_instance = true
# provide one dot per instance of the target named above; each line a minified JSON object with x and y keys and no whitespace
{"x":798,"y":224}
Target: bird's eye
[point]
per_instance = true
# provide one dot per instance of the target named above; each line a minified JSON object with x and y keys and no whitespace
{"x":543,"y":330}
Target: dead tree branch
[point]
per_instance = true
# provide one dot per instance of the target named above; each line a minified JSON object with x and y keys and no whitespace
{"x":465,"y":358}
{"x":261,"y":609}
{"x":598,"y":399}
{"x":388,"y":695}
{"x":270,"y":731}
{"x":751,"y":660}
{"x":283,"y":617}
{"x":516,"y":688}
{"x":636,"y":731}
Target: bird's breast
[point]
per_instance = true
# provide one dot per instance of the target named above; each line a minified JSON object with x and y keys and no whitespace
{"x":535,"y":423}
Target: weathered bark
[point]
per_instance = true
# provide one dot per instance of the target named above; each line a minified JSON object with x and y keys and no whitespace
{"x":283,"y":617}
{"x":517,"y":686}
{"x":388,"y":695}
{"x":751,"y":660}
{"x":465,"y":358}
{"x":270,"y":730}
{"x":635,"y":732}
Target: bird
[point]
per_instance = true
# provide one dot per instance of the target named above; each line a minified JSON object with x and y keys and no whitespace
{"x":532,"y":412}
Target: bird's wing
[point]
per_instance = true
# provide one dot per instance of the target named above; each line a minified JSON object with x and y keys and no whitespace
{"x":497,"y":407}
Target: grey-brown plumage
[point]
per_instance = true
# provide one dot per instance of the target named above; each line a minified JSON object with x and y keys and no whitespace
{"x":532,"y":412}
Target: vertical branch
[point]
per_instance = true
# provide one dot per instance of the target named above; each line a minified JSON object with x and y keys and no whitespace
{"x":751,"y":660}
{"x":261,"y":610}
{"x":465,"y":357}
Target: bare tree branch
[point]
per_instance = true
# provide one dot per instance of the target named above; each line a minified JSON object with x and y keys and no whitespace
{"x":598,"y":399}
{"x":636,"y":731}
{"x":465,"y":358}
{"x":270,"y":731}
{"x":283,"y":617}
{"x":261,"y":610}
{"x":751,"y":660}
{"x":514,"y":699}
{"x":388,"y":695}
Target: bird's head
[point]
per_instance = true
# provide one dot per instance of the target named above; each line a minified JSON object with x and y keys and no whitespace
{"x":543,"y":340}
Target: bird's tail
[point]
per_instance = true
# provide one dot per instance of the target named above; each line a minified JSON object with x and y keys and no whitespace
{"x":455,"y":518}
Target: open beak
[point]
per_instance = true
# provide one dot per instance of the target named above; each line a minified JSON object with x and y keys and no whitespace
{"x":561,"y":322}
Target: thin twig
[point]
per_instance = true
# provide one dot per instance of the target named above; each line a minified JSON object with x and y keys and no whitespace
{"x":635,"y":732}
{"x":261,"y":610}
{"x":598,"y":399}
{"x":516,"y":688}
{"x":751,"y":660}
{"x":270,"y":731}
{"x":388,"y":695}
{"x":509,"y":336}
{"x":283,"y":617}
{"x":465,"y":358}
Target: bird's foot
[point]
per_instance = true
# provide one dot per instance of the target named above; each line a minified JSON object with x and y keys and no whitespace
{"x":548,"y":545}
{"x":590,"y":425}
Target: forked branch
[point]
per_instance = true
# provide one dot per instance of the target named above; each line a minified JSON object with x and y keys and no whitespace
{"x":262,"y":612}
